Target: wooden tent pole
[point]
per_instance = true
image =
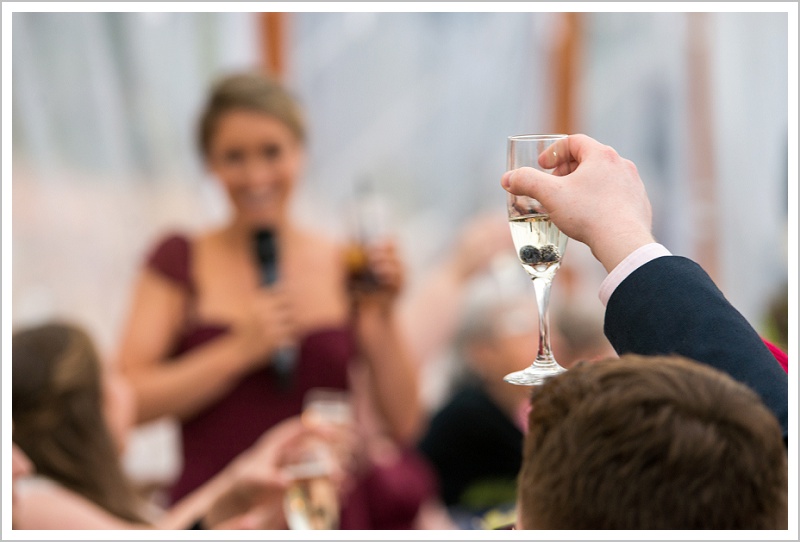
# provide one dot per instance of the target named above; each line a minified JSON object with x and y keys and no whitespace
{"x":272,"y":27}
{"x":702,"y":179}
{"x":566,"y":65}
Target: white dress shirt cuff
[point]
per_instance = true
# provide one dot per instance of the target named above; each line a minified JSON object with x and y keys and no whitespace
{"x":631,"y":263}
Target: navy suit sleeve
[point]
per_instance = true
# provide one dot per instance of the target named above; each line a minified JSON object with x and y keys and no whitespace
{"x":671,"y":306}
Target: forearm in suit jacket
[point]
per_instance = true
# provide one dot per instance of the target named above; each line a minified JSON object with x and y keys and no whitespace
{"x":671,"y":306}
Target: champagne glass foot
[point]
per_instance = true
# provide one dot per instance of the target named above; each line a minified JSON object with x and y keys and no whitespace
{"x":534,"y":375}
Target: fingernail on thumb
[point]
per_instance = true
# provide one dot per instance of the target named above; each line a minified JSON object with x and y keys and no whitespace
{"x":505,"y":182}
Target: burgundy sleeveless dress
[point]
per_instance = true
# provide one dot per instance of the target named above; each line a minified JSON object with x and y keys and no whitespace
{"x":224,"y":429}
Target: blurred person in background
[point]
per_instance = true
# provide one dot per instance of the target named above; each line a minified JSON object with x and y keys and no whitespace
{"x":478,"y":304}
{"x":432,"y":307}
{"x":72,"y":416}
{"x":203,"y":330}
{"x":474,"y":440}
{"x":580,"y":330}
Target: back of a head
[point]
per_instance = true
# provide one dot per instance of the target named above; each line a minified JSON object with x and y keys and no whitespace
{"x":494,"y":308}
{"x":651,"y":443}
{"x":495,"y":302}
{"x":57,"y":408}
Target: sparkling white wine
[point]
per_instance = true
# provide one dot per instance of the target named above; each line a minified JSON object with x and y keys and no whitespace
{"x":540,"y":244}
{"x":311,"y":502}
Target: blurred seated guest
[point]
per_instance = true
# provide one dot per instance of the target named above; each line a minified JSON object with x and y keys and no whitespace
{"x":38,"y":503}
{"x":228,"y":336}
{"x":651,"y":443}
{"x":71,"y":417}
{"x":432,"y":306}
{"x":474,"y":441}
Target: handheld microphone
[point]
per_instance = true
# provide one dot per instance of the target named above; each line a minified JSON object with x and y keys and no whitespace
{"x":266,"y":249}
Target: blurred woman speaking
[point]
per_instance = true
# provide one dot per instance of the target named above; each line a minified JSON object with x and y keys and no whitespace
{"x":204,"y":328}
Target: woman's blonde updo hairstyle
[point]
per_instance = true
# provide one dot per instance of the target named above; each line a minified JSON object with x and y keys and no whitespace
{"x":250,"y":91}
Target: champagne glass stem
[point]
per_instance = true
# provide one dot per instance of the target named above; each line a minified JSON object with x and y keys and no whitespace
{"x":542,"y":288}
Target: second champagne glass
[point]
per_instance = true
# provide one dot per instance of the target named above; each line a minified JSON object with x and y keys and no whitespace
{"x":312,"y":500}
{"x":367,"y":226}
{"x":540,"y":247}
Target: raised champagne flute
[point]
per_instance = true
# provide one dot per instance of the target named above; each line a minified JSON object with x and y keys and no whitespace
{"x":540,"y":248}
{"x":312,"y":501}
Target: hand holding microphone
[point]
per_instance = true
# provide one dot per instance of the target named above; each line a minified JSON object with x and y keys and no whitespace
{"x":283,"y":359}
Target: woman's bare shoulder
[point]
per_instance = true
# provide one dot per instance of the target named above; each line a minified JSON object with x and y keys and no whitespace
{"x":40,"y":503}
